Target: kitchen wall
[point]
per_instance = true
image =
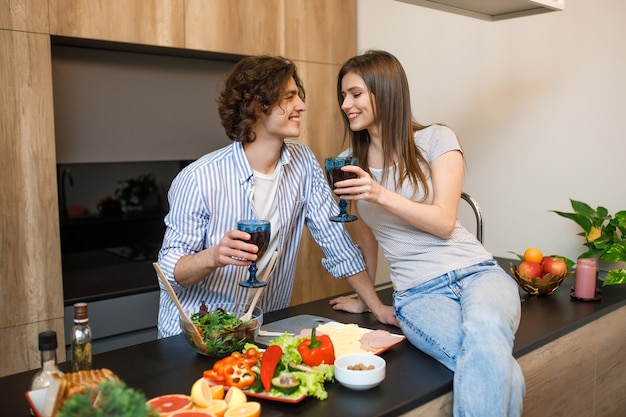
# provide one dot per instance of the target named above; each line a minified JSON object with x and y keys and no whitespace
{"x":538,"y":103}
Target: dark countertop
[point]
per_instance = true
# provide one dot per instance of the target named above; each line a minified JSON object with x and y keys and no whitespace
{"x":171,"y":366}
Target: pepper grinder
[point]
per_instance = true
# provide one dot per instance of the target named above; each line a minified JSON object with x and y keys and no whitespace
{"x":585,"y":285}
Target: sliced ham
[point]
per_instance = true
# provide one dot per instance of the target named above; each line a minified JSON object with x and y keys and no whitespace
{"x":378,"y":339}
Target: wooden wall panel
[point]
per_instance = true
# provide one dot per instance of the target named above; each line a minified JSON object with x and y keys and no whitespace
{"x":610,"y":386}
{"x":149,"y":22}
{"x":320,"y":30}
{"x":551,"y":370}
{"x":246,"y":27}
{"x":30,"y":254}
{"x":322,"y":131}
{"x":24,"y":15}
{"x":19,"y":343}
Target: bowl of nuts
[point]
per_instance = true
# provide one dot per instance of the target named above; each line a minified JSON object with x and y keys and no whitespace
{"x":360,"y":371}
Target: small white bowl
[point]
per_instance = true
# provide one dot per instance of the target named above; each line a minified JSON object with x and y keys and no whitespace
{"x":360,"y":379}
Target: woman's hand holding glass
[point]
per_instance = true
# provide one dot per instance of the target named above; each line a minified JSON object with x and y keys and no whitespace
{"x":335,"y":174}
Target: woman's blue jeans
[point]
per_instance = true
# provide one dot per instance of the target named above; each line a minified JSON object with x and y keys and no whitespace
{"x":467,"y":319}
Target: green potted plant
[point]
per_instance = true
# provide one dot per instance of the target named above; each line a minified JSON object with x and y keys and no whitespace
{"x":605,"y":237}
{"x":134,"y":192}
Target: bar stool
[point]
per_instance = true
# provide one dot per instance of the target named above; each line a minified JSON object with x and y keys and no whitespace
{"x":477,"y":212}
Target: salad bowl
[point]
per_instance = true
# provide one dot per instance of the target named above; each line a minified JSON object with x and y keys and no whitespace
{"x":221,"y":329}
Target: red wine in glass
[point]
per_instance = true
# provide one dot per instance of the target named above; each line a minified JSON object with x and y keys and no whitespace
{"x":335,"y":174}
{"x":260,"y":232}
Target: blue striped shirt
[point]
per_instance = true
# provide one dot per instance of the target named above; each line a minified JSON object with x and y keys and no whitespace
{"x":209,"y":196}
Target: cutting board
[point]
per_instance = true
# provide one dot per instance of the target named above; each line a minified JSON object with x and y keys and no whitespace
{"x":292,"y":325}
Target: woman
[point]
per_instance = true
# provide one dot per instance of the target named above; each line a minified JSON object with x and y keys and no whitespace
{"x":451,"y":299}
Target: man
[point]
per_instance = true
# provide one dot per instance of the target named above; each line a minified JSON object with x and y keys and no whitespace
{"x":261,"y":175}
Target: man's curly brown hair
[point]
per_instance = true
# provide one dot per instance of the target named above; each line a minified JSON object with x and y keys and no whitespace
{"x":254,"y":86}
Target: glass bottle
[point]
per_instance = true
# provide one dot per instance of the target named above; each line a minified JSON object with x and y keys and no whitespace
{"x":48,"y":351}
{"x":81,"y":339}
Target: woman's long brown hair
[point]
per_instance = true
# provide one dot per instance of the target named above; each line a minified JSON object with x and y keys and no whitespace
{"x":388,"y":86}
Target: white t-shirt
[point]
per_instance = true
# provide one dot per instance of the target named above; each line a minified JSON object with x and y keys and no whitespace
{"x":266,"y":207}
{"x":415,"y":256}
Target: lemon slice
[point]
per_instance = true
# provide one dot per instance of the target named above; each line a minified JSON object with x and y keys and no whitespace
{"x":235,"y":396}
{"x":201,"y":394}
{"x":249,"y":409}
{"x":218,"y":392}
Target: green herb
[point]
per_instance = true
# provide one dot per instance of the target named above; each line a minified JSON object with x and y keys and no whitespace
{"x":109,"y":399}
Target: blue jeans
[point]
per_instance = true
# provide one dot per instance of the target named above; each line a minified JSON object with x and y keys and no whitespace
{"x":467,"y":319}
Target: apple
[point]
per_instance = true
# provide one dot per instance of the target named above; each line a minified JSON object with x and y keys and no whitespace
{"x":554,"y":266}
{"x":529,"y":270}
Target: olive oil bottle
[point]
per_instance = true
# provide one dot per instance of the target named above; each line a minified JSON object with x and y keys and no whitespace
{"x":81,"y":339}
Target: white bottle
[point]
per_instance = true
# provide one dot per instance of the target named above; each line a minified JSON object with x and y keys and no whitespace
{"x":48,"y":350}
{"x":81,"y":339}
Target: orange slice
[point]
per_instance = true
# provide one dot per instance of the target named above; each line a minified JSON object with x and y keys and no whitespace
{"x":249,"y":409}
{"x":217,"y":408}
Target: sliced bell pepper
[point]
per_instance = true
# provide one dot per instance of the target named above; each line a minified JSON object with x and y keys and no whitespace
{"x":318,"y":350}
{"x":269,"y":362}
{"x":214,"y":376}
{"x":238,"y":374}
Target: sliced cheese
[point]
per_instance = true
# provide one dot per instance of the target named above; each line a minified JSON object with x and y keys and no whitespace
{"x":346,"y":338}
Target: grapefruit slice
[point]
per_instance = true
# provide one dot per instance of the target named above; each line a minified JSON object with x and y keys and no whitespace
{"x":168,"y":404}
{"x":192,"y":413}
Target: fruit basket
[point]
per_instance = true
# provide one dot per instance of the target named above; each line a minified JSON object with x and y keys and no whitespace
{"x":542,"y":285}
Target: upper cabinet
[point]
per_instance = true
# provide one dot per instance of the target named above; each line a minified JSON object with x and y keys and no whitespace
{"x":149,"y":22}
{"x":245,"y":27}
{"x":492,"y":9}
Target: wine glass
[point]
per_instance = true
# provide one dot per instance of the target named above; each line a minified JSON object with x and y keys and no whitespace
{"x":335,"y":174}
{"x":259,"y":231}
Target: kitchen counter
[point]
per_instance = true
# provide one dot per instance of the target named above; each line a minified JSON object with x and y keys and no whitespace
{"x":171,"y":366}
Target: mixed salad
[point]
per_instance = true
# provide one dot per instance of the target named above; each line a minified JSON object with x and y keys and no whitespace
{"x":221,"y":331}
{"x":289,"y":368}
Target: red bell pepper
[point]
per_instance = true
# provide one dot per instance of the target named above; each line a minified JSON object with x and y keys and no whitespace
{"x":318,"y":350}
{"x":269,"y":362}
{"x":238,"y":374}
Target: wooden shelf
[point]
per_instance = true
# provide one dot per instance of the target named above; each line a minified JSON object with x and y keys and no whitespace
{"x":492,"y":9}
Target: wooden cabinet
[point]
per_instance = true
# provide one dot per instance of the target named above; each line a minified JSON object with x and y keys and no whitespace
{"x":31,"y":299}
{"x":580,"y":374}
{"x":24,"y":15}
{"x":320,"y":31}
{"x":148,"y":22}
{"x":318,"y":34}
{"x":245,"y":27}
